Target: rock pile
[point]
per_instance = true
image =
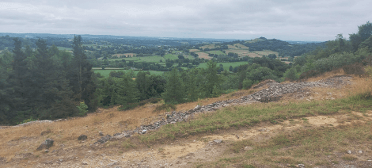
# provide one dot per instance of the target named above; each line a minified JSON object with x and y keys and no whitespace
{"x":273,"y":93}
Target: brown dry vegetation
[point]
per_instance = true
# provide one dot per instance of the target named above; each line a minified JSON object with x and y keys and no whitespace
{"x":203,"y":55}
{"x":194,"y":50}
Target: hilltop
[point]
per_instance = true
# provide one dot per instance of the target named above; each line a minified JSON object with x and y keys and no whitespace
{"x":269,"y":125}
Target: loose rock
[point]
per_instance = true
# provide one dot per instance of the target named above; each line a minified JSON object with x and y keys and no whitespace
{"x":46,"y":144}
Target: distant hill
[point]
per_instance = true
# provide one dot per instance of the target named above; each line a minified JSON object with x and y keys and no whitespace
{"x":282,"y":47}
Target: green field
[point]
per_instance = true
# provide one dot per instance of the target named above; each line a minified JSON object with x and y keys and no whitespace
{"x":64,"y":48}
{"x":225,"y":65}
{"x":106,"y":73}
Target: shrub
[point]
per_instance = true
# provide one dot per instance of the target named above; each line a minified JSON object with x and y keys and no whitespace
{"x":83,"y":109}
{"x":356,"y":69}
{"x":166,"y":107}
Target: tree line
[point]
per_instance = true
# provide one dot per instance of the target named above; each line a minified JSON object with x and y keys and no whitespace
{"x":44,"y":83}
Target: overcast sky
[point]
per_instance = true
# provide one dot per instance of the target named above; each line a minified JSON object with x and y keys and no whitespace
{"x":314,"y":20}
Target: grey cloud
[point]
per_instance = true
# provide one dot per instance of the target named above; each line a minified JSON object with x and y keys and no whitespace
{"x":239,"y":19}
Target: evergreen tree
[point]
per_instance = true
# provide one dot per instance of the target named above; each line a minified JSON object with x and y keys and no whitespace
{"x":212,"y":84}
{"x":52,"y":97}
{"x":5,"y":90}
{"x":80,"y":76}
{"x":143,"y":85}
{"x":191,"y":87}
{"x":127,"y":91}
{"x":174,"y":92}
{"x":19,"y":82}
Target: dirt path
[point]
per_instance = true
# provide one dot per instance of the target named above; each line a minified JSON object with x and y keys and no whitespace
{"x":207,"y":148}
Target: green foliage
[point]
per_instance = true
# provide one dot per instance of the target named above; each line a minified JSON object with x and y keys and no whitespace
{"x":167,"y":107}
{"x":291,"y":74}
{"x":174,"y":91}
{"x":27,"y":120}
{"x":247,"y":83}
{"x":369,"y":70}
{"x":83,"y":109}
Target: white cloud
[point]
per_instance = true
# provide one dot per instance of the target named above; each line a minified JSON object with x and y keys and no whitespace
{"x":239,"y":19}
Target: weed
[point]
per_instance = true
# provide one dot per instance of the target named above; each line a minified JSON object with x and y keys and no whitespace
{"x":349,"y":158}
{"x":167,"y":107}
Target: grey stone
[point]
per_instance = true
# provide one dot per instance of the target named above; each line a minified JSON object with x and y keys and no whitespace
{"x":104,"y":139}
{"x":247,"y":148}
{"x":100,"y":133}
{"x":82,"y":137}
{"x":46,"y":144}
{"x":112,"y":164}
{"x":217,"y":141}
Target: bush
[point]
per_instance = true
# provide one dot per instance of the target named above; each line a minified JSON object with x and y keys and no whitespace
{"x":369,"y":70}
{"x":129,"y":106}
{"x":356,"y":69}
{"x":291,"y":74}
{"x":167,"y":107}
{"x":83,"y":109}
{"x":151,"y":100}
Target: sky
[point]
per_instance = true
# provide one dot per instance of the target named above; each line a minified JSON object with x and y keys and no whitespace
{"x":297,"y":20}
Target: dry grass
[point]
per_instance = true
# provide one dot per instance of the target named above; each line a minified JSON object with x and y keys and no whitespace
{"x":203,"y":55}
{"x":109,"y":121}
{"x":325,"y":75}
{"x":194,"y":50}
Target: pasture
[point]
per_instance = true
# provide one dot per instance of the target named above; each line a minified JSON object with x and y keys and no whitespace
{"x":243,"y":53}
{"x":194,"y":50}
{"x":203,"y":55}
{"x":210,"y":46}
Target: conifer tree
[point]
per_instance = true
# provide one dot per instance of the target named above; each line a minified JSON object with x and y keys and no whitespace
{"x":174,"y":92}
{"x":19,"y":80}
{"x":127,"y":91}
{"x":80,"y":76}
{"x":212,"y":84}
